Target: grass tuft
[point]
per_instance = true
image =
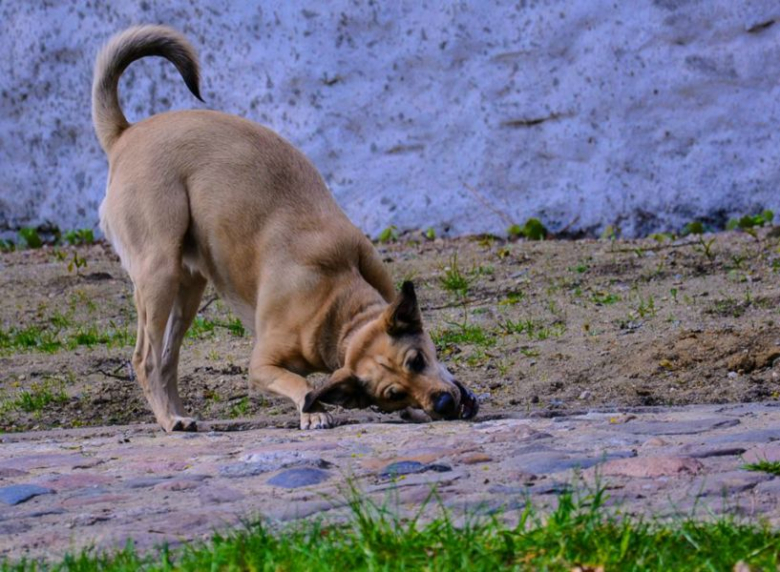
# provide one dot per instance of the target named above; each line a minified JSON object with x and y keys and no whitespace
{"x":764,"y":466}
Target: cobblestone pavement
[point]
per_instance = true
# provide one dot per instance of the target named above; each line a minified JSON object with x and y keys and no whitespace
{"x":65,"y":490}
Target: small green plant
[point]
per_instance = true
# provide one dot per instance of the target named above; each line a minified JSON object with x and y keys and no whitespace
{"x":39,"y":396}
{"x":29,"y":338}
{"x":240,"y":409}
{"x":533,"y":229}
{"x":76,"y":262}
{"x":705,"y":247}
{"x":390,"y":234}
{"x":454,"y":279}
{"x":646,"y":307}
{"x":661,"y":237}
{"x":534,"y":329}
{"x":512,"y":298}
{"x":604,"y":298}
{"x":7,"y":245}
{"x":430,"y":233}
{"x":30,"y":237}
{"x":764,"y":466}
{"x":749,"y":222}
{"x":463,"y":333}
{"x":201,"y":327}
{"x":610,"y":232}
{"x":80,"y":236}
{"x":236,"y":328}
{"x":693,"y":227}
{"x":580,"y":268}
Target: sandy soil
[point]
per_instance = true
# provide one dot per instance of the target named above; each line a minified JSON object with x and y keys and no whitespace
{"x":529,"y":326}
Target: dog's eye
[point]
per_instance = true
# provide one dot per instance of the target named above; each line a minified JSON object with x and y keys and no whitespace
{"x":396,"y":395}
{"x":417,"y":363}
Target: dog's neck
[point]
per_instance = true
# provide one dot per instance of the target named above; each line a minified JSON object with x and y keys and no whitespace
{"x":351,"y":310}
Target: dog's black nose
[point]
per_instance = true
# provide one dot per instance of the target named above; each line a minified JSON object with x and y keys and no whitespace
{"x":444,"y":404}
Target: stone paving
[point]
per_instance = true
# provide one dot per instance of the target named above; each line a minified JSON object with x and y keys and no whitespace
{"x":65,"y":490}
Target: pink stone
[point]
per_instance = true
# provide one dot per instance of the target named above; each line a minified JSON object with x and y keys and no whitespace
{"x":89,"y":499}
{"x":74,"y":481}
{"x":161,"y":467}
{"x":767,"y":452}
{"x":47,"y":460}
{"x":650,"y":467}
{"x":177,"y":485}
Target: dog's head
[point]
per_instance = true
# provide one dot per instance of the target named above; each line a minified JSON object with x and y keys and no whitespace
{"x":391,"y":364}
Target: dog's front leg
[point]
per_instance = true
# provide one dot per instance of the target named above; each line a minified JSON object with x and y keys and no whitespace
{"x":288,"y":384}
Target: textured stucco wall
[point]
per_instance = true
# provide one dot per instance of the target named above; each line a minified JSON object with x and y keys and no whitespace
{"x":642,"y":113}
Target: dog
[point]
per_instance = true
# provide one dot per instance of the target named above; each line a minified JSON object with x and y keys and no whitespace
{"x":196,"y":196}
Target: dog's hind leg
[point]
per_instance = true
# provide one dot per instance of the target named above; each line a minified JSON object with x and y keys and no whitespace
{"x":167,"y":300}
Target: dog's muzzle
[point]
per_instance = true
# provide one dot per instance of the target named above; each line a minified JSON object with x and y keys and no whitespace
{"x":469,"y":406}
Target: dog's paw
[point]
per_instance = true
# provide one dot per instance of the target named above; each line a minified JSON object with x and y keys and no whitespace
{"x":177,"y":423}
{"x":316,"y":420}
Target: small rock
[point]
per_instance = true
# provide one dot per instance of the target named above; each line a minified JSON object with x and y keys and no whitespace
{"x":411,"y":467}
{"x":475,"y":458}
{"x":219,"y":495}
{"x":143,"y":482}
{"x":650,"y":467}
{"x":732,"y":375}
{"x":6,"y":472}
{"x":655,"y":442}
{"x":17,"y":494}
{"x":769,"y":452}
{"x":584,"y":395}
{"x":296,"y":478}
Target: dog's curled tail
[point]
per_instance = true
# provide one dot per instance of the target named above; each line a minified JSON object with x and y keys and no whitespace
{"x":122,"y":50}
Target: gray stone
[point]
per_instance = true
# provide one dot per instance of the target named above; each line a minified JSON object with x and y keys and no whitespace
{"x":674,"y":427}
{"x":728,"y":483}
{"x":769,"y":452}
{"x":296,"y":478}
{"x":218,"y":494}
{"x":271,"y":464}
{"x":143,"y":482}
{"x":14,"y":527}
{"x":410,"y":467}
{"x":750,"y":437}
{"x":548,"y":462}
{"x":16,"y":494}
{"x":771,"y":487}
{"x":427,"y":479}
{"x":707,"y":451}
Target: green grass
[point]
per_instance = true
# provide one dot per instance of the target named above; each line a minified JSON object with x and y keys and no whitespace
{"x":580,"y":532}
{"x":39,"y":396}
{"x":60,"y":334}
{"x":455,"y":280}
{"x":204,"y":327}
{"x":771,"y":467}
{"x":604,"y":298}
{"x":463,"y":334}
{"x":534,"y":329}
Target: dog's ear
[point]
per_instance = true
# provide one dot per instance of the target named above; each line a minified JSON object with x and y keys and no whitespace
{"x":343,"y":388}
{"x":403,"y":316}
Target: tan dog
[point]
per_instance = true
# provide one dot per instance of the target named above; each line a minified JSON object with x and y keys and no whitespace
{"x":200,"y":195}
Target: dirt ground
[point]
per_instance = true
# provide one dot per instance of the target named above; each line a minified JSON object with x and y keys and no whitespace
{"x":531,"y":327}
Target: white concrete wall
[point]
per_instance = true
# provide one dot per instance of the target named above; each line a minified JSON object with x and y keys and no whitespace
{"x":640,"y":113}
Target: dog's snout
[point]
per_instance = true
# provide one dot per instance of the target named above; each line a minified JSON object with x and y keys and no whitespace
{"x":444,"y":404}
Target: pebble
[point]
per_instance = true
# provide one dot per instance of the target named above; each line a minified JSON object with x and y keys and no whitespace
{"x":17,"y":494}
{"x":297,"y":478}
{"x":651,"y":467}
{"x":410,"y":467}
